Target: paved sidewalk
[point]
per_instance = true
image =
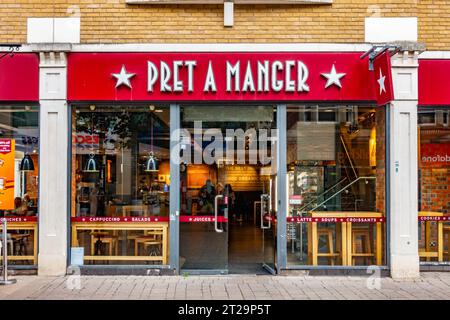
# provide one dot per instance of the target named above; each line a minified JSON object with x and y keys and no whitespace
{"x":434,"y":286}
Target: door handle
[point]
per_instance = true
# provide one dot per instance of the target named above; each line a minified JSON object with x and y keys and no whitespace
{"x":265,"y":198}
{"x":216,"y":201}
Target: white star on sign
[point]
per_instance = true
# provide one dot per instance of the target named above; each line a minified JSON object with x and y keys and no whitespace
{"x":333,"y":77}
{"x":123,"y":77}
{"x":381,"y":83}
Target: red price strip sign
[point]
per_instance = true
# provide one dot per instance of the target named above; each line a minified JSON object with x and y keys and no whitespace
{"x":20,"y":219}
{"x":199,"y":219}
{"x":120,"y":219}
{"x":434,"y":218}
{"x":335,"y":220}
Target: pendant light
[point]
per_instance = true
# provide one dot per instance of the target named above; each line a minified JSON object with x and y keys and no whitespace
{"x":151,"y":165}
{"x":91,"y":164}
{"x":27,"y":163}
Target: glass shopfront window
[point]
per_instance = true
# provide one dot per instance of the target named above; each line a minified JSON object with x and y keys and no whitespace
{"x":19,"y":179}
{"x":336,"y":185}
{"x":434,"y":184}
{"x":120,"y":184}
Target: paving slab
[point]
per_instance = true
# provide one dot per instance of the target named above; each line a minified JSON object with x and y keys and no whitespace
{"x":432,"y":285}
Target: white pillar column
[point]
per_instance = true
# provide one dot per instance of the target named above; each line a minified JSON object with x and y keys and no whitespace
{"x":404,"y":257}
{"x":53,"y":161}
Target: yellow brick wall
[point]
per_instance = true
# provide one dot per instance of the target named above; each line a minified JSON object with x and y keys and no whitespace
{"x":112,"y":21}
{"x":434,"y":23}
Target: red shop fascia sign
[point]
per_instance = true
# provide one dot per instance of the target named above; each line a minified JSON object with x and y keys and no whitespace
{"x":19,"y":78}
{"x":434,"y":82}
{"x":224,"y":76}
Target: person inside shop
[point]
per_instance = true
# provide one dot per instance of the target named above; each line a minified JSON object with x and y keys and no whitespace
{"x":29,"y":205}
{"x":97,"y":202}
{"x":27,"y":200}
{"x":20,"y":207}
{"x":229,"y":199}
{"x":21,"y":210}
{"x":206,"y":197}
{"x":230,"y":196}
{"x":242,"y":207}
{"x":93,"y":201}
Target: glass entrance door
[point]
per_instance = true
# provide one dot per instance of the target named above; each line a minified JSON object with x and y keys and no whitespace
{"x":203,"y":221}
{"x":268,"y":225}
{"x":227,"y":167}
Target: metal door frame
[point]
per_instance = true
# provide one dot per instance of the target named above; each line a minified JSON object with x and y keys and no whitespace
{"x":280,"y":252}
{"x":174,"y":198}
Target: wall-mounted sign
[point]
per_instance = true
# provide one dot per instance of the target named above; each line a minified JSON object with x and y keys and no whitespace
{"x":315,"y":141}
{"x":383,"y":79}
{"x":257,"y":76}
{"x":242,"y":177}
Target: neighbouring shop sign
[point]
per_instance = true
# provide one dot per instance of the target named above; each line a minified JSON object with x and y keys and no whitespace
{"x":19,"y":77}
{"x":221,"y":76}
{"x":435,"y":154}
{"x":7,"y":151}
{"x":434,"y":82}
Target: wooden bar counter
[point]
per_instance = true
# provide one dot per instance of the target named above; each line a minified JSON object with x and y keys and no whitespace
{"x":29,"y":226}
{"x":161,"y":228}
{"x":344,"y":238}
{"x":439,"y":218}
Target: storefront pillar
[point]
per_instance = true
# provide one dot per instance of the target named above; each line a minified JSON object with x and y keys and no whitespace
{"x":53,"y":184}
{"x":402,"y":199}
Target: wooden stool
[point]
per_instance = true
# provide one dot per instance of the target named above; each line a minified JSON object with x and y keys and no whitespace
{"x":331,"y":254}
{"x":129,"y":238}
{"x":365,"y":234}
{"x":150,"y":237}
{"x":155,"y":247}
{"x":154,"y":241}
{"x":103,"y":238}
{"x":446,"y":231}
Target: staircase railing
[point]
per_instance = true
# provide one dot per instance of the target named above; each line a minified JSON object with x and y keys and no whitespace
{"x":302,"y":209}
{"x":340,"y":191}
{"x":348,"y":156}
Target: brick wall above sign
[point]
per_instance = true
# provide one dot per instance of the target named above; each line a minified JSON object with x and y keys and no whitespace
{"x":235,"y":1}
